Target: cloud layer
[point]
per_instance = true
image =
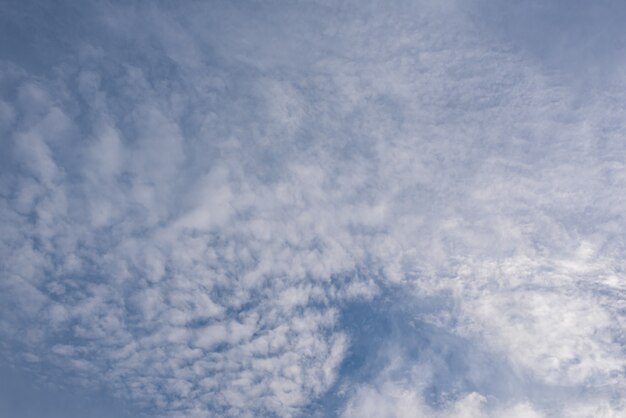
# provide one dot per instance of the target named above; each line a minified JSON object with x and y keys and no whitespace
{"x":193,"y":198}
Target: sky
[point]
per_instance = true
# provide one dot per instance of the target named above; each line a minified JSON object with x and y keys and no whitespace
{"x":317,"y":208}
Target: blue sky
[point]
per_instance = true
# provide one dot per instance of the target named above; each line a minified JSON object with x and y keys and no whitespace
{"x":312,"y":208}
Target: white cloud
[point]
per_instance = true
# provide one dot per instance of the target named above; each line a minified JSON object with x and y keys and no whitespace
{"x":391,"y":399}
{"x":183,"y":223}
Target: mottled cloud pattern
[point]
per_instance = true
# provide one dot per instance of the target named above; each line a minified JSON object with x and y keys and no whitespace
{"x":355,"y":209}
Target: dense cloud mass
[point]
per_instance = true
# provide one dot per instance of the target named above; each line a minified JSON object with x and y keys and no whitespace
{"x":284,"y":209}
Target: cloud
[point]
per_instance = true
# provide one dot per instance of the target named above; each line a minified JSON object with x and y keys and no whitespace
{"x":394,"y":401}
{"x":193,"y":197}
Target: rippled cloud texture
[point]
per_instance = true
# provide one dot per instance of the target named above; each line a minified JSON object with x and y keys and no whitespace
{"x":286,"y":209}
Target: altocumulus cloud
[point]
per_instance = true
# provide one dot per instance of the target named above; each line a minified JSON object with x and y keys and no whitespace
{"x":384,"y":209}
